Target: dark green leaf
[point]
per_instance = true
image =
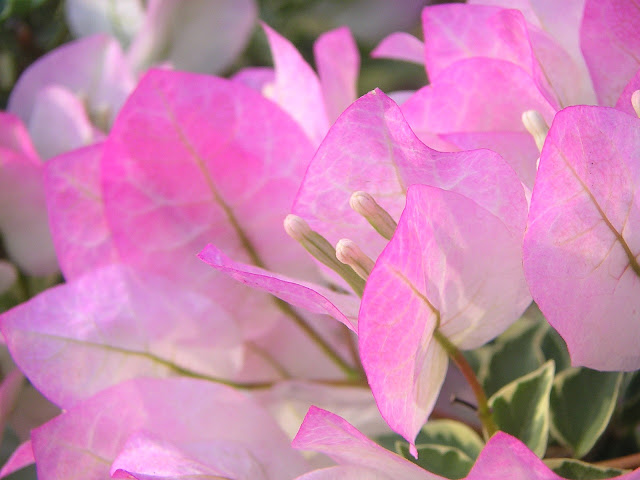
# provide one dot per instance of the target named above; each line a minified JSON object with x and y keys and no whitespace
{"x":521,"y":408}
{"x":577,"y":470}
{"x":448,"y":462}
{"x":582,"y":401}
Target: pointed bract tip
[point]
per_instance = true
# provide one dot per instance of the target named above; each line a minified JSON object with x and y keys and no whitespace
{"x":413,"y":450}
{"x":635,"y":102}
{"x":536,"y":126}
{"x":378,"y":217}
{"x":350,"y":254}
{"x":296,"y":227}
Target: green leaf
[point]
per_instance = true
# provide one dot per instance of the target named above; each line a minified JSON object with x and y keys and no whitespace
{"x":553,"y":347}
{"x":521,"y":408}
{"x":516,"y":354}
{"x":577,"y":470}
{"x":630,"y":402}
{"x":19,"y":8}
{"x":582,"y":401}
{"x":448,"y":462}
{"x":450,"y":433}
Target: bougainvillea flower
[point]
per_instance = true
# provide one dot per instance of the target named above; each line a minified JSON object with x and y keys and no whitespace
{"x":70,"y":96}
{"x":535,"y":60}
{"x":130,"y":324}
{"x":142,"y":426}
{"x":325,"y":432}
{"x":372,"y":148}
{"x":581,"y":246}
{"x":200,"y":35}
{"x":80,"y":232}
{"x":23,"y":213}
{"x":315,"y":101}
{"x":439,"y":272}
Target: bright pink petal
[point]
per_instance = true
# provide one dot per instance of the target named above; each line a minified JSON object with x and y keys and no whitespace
{"x":467,"y":84}
{"x":93,"y":69}
{"x":297,"y":88}
{"x":624,"y":102}
{"x":610,"y":41}
{"x":311,"y":297}
{"x":372,"y":148}
{"x":400,"y":46}
{"x":258,"y":78}
{"x":438,"y":271}
{"x":23,"y":214}
{"x":128,"y":324}
{"x":20,"y":458}
{"x":195,"y":159}
{"x":76,"y":212}
{"x":338,"y":63}
{"x":84,"y":441}
{"x":327,"y":433}
{"x":507,"y":457}
{"x":581,"y":246}
{"x":199,"y":35}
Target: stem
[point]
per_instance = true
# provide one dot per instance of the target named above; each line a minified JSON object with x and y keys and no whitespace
{"x":484,"y":412}
{"x":317,"y":339}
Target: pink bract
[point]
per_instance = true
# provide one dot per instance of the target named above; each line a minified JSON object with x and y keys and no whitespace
{"x":124,"y":427}
{"x":581,"y":247}
{"x":440,"y":271}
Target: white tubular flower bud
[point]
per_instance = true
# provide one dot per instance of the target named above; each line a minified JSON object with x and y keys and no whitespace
{"x":365,"y":205}
{"x":536,"y":126}
{"x":320,"y":248}
{"x":635,"y":102}
{"x":350,"y":254}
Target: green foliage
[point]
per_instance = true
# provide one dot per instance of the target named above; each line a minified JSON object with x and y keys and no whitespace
{"x":582,"y":402}
{"x":577,"y":470}
{"x":445,"y":447}
{"x":521,"y":408}
{"x":448,"y":462}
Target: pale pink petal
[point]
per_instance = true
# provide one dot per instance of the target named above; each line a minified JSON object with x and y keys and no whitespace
{"x":76,"y":212}
{"x":10,"y":389}
{"x":312,"y":297}
{"x":59,"y":122}
{"x":146,"y":457}
{"x":289,"y":402}
{"x":327,"y":433}
{"x":438,"y":271}
{"x":83,"y":442}
{"x":194,"y":159}
{"x":338,"y":63}
{"x":465,"y":84}
{"x":20,"y":458}
{"x":610,"y":41}
{"x":198,"y":35}
{"x":93,"y":69}
{"x":372,"y":148}
{"x":23,"y":214}
{"x":8,"y":275}
{"x":400,"y":46}
{"x":297,"y":88}
{"x":258,"y":78}
{"x":14,"y":136}
{"x":582,"y":236}
{"x":345,"y":473}
{"x":128,"y":324}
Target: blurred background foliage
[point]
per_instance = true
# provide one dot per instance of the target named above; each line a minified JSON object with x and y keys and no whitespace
{"x":31,"y":28}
